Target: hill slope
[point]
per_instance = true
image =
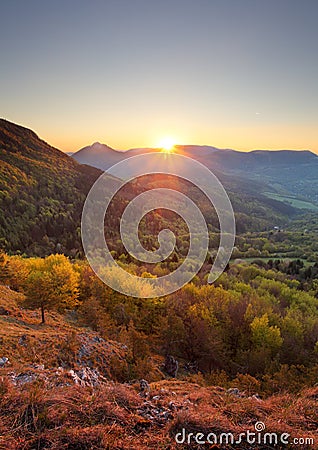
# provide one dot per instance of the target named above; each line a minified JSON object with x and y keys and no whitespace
{"x":289,"y":172}
{"x":42,"y":191}
{"x":57,"y":392}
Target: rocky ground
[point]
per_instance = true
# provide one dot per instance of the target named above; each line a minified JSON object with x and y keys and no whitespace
{"x":57,"y":392}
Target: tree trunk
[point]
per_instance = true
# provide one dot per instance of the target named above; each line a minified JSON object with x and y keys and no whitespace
{"x":42,"y":313}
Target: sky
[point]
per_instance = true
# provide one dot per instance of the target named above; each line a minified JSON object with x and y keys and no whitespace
{"x":239,"y":74}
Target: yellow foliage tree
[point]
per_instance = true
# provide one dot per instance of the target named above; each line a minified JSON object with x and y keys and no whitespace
{"x":52,"y":283}
{"x":13,"y":271}
{"x":264,"y":335}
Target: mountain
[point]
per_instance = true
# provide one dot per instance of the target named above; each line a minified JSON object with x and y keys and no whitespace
{"x":286,"y":175}
{"x":98,"y":155}
{"x":42,"y":191}
{"x":249,"y":161}
{"x":249,"y":195}
{"x":226,"y":160}
{"x":102,"y":156}
{"x":192,"y":151}
{"x":286,"y":172}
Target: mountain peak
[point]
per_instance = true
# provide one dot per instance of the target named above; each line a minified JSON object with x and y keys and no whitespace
{"x":98,"y":154}
{"x":99,"y":146}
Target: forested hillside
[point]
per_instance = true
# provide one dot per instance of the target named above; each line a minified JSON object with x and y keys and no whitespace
{"x":42,"y":191}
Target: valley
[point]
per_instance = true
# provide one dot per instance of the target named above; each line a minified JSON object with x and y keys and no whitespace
{"x":215,"y":357}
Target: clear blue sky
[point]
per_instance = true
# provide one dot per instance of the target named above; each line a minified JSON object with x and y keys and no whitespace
{"x":229,"y":73}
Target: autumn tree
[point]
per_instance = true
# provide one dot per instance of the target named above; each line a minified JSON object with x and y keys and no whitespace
{"x":13,"y":271}
{"x":52,"y":283}
{"x":264,"y":335}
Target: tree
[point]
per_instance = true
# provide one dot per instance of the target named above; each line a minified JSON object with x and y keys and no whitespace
{"x":52,"y":283}
{"x":13,"y":271}
{"x":264,"y":335}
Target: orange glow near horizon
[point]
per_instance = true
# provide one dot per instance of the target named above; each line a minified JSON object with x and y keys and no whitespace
{"x":241,"y":138}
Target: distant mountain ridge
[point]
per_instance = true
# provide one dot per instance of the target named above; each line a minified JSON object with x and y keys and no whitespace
{"x":102,"y":156}
{"x":286,"y":172}
{"x":98,"y":153}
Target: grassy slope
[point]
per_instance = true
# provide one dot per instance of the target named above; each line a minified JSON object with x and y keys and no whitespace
{"x":52,"y":412}
{"x":295,"y":202}
{"x":56,"y":343}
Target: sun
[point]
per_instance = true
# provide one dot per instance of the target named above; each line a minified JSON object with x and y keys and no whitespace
{"x":167,"y":144}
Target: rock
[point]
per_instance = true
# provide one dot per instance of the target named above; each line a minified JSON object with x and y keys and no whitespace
{"x":38,"y":366}
{"x":172,"y":406}
{"x":89,"y":376}
{"x":4,"y":361}
{"x":24,"y":377}
{"x":158,"y":415}
{"x":85,"y":376}
{"x":23,"y":340}
{"x":171,"y":366}
{"x":166,"y":415}
{"x":256,"y":397}
{"x":144,"y":388}
{"x":83,"y":351}
{"x":234,"y":391}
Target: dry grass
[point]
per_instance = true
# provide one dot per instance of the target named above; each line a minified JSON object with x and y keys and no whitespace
{"x":35,"y":417}
{"x":53,"y":413}
{"x":58,"y":342}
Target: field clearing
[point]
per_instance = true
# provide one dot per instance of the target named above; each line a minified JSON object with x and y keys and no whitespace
{"x":295,"y":202}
